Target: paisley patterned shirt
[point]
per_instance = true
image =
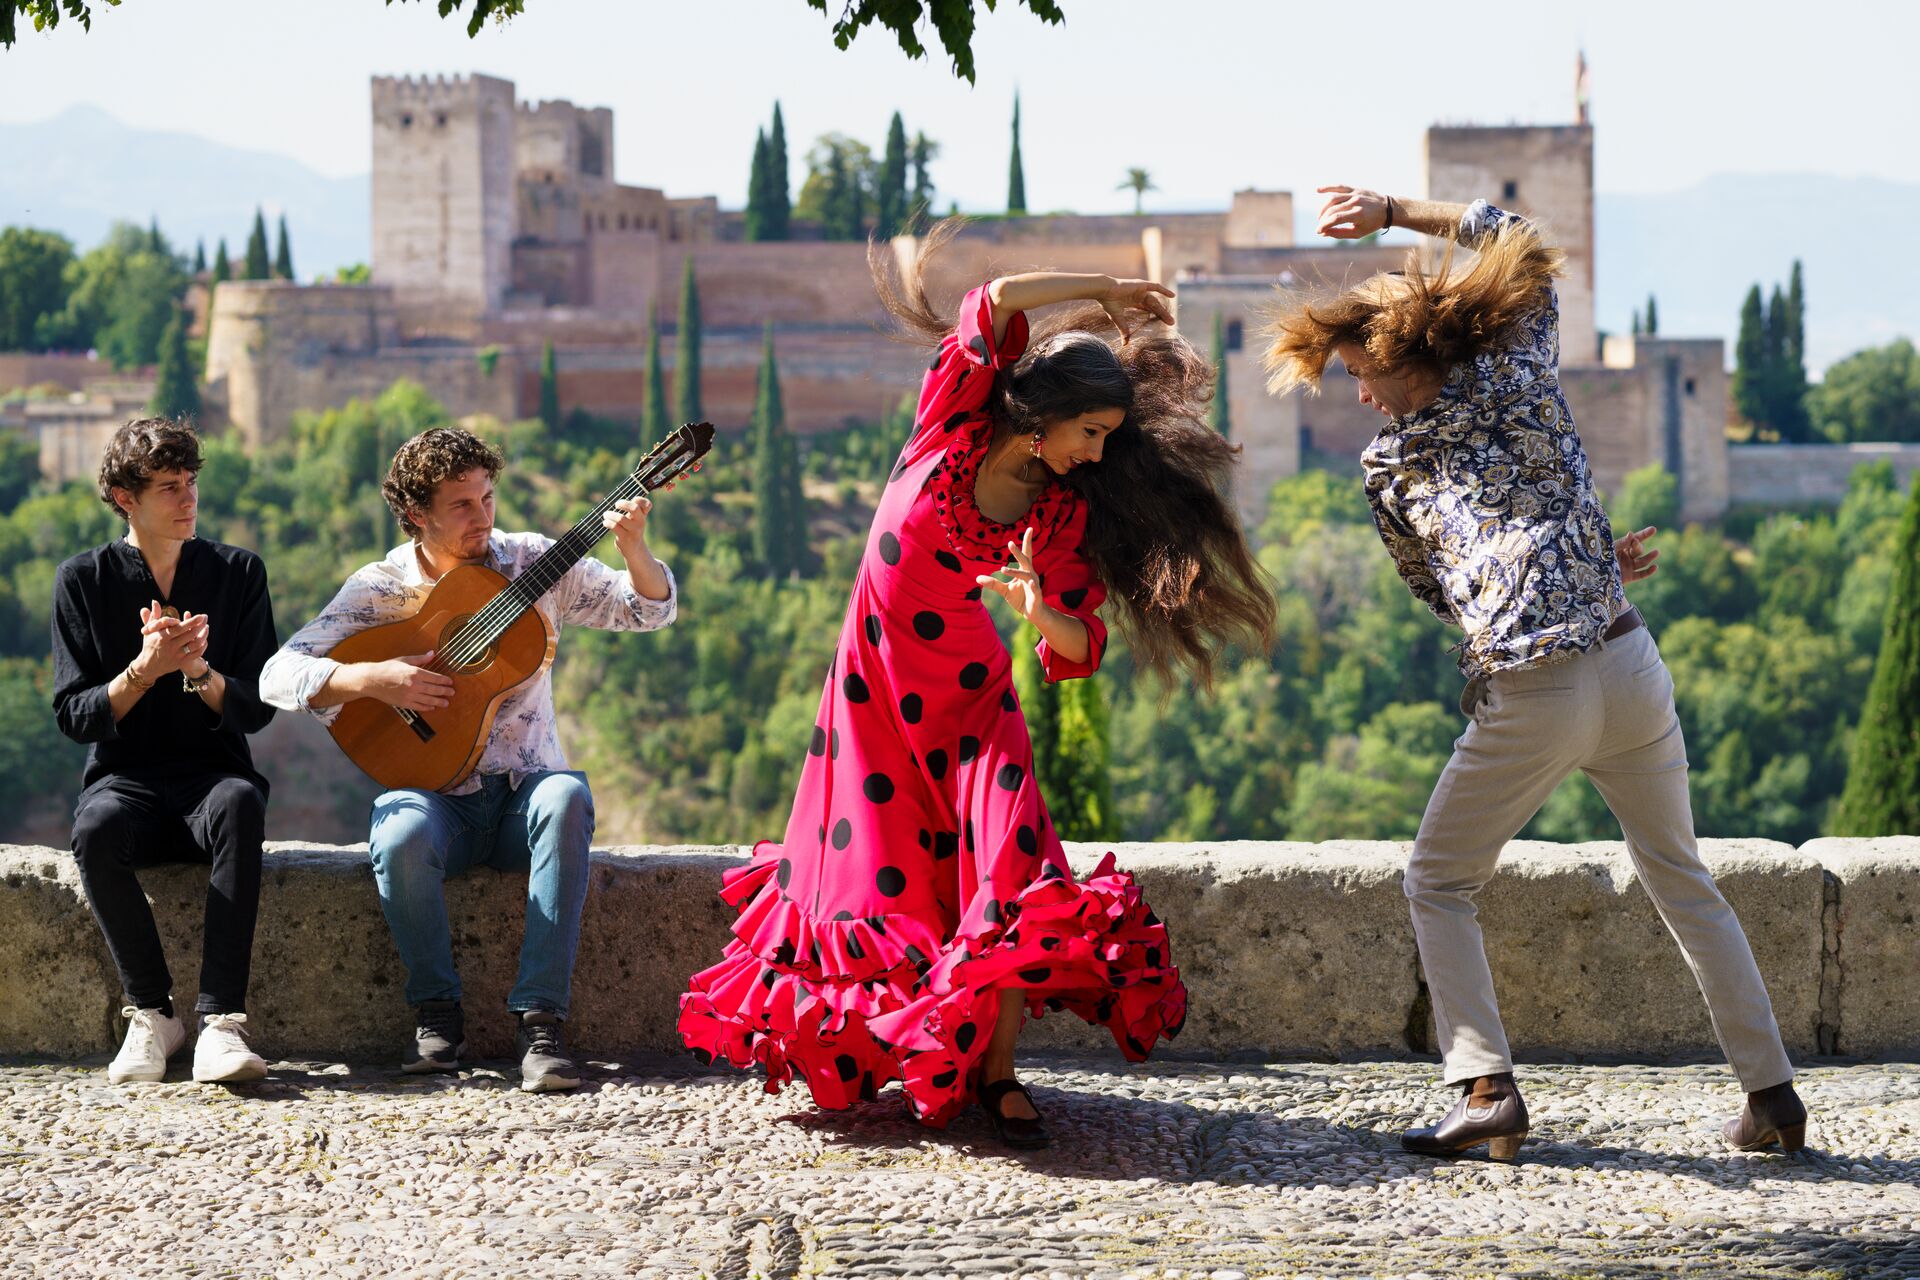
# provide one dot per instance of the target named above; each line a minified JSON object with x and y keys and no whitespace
{"x":524,"y":740}
{"x":1485,"y":500}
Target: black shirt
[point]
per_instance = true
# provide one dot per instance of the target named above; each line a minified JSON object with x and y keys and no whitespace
{"x":169,"y":733}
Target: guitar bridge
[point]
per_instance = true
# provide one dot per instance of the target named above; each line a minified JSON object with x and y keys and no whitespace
{"x":414,"y":721}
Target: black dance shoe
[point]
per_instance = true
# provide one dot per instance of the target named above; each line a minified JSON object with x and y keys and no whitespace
{"x":1020,"y":1134}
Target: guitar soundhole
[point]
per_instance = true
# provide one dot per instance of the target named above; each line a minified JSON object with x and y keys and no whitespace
{"x":448,"y":656}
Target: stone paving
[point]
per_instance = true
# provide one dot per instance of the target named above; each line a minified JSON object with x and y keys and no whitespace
{"x":661,"y":1168}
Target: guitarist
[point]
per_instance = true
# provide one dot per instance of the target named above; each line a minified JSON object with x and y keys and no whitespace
{"x":522,"y":809}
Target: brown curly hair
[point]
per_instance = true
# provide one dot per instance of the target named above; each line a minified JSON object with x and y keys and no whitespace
{"x":1161,"y":531}
{"x":427,"y":459}
{"x":139,"y":449}
{"x":1415,"y":318}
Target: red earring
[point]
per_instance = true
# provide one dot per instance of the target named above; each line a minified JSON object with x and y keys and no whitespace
{"x":1038,"y":436}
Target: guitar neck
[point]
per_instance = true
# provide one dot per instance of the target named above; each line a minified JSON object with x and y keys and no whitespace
{"x":554,"y":563}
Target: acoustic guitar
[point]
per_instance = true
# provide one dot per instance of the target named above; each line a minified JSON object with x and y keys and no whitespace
{"x":484,"y":631}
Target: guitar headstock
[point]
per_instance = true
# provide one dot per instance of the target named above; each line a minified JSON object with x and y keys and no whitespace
{"x":673,"y":457}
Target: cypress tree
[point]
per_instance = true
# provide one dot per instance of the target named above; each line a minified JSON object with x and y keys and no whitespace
{"x":687,"y":404}
{"x":1793,"y":359}
{"x":549,"y":389}
{"x":1016,"y":175}
{"x":283,"y":254}
{"x":772,"y":525}
{"x":924,"y":149}
{"x":258,"y":267}
{"x":200,"y":257}
{"x":222,"y":268}
{"x":1083,"y":807}
{"x":175,"y":393}
{"x":843,"y":211}
{"x":1638,"y":328}
{"x":156,"y":243}
{"x":1750,"y":361}
{"x":1778,"y":392}
{"x":1653,"y":317}
{"x":1882,"y":795}
{"x":1218,"y":415}
{"x":759,"y":191}
{"x":653,"y":418}
{"x":780,"y":192}
{"x":891,"y":194}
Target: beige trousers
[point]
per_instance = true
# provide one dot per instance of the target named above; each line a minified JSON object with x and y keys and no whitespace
{"x":1608,"y":712}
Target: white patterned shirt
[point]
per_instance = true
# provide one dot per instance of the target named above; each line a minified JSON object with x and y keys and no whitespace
{"x":524,"y":740}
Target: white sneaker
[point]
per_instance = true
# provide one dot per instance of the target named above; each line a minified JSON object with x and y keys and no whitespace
{"x":221,"y":1055}
{"x":152,"y":1038}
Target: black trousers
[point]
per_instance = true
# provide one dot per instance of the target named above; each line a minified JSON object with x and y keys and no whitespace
{"x":122,"y":824}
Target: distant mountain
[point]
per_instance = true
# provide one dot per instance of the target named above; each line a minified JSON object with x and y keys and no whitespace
{"x":79,"y":171}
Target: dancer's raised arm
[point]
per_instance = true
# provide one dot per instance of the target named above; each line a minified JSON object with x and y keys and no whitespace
{"x":1353,"y":212}
{"x":1011,"y":294}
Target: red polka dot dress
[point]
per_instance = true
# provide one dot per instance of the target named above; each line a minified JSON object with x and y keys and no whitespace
{"x":920,"y":874}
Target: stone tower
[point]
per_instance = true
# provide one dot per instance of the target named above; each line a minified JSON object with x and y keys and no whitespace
{"x":1545,"y":172}
{"x":443,"y":193}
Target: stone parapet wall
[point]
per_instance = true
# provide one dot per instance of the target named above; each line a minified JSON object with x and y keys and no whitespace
{"x":1793,"y":475}
{"x":1287,"y":949}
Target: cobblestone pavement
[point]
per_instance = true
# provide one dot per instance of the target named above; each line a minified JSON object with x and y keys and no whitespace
{"x":1172,"y":1169}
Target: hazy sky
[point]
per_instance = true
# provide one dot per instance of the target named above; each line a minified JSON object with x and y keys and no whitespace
{"x":1208,"y":95}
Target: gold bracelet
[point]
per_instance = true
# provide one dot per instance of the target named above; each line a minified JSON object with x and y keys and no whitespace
{"x":138,"y":681}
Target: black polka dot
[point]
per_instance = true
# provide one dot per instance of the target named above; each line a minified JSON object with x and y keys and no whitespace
{"x":929,"y":625}
{"x":889,"y":548}
{"x":818,"y":746}
{"x":993,"y":914}
{"x":955,"y":421}
{"x":1008,"y":702}
{"x":1053,"y":872}
{"x":946,"y":844}
{"x":854,"y":948}
{"x":899,"y":469}
{"x":891,"y":881}
{"x":948,"y":560}
{"x":910,"y":707}
{"x":926,"y":838}
{"x":918,"y":959}
{"x":1048,"y":944}
{"x":846,"y":1066}
{"x":1010,"y":777}
{"x":823,"y":833}
{"x":843,"y":915}
{"x":978,"y":345}
{"x":878,"y":788}
{"x":945,"y":1079}
{"x":1153,"y":957}
{"x":969,"y":748}
{"x":768,"y":978}
{"x":1029,"y":842}
{"x":867,"y":1090}
{"x":1075,"y":598}
{"x":856,"y":688}
{"x":878,"y":924}
{"x":973,"y":675}
{"x":784,"y":873}
{"x":1040,"y":974}
{"x":842,"y":834}
{"x":937,"y":763}
{"x":969,"y":835}
{"x":936,"y":362}
{"x":873,"y":629}
{"x":833,"y":744}
{"x":783,"y":954}
{"x":964,"y":1037}
{"x":705,"y":1058}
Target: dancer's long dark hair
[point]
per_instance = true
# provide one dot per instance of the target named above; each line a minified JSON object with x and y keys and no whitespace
{"x":1161,"y":532}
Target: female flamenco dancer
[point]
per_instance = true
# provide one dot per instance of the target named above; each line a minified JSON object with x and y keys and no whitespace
{"x":920,"y":904}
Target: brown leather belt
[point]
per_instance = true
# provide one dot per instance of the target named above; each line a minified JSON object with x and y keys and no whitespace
{"x":1625,"y":623}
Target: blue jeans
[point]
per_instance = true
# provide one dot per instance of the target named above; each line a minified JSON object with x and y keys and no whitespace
{"x":421,"y":838}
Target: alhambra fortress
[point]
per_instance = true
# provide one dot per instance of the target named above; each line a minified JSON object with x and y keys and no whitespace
{"x":498,"y":226}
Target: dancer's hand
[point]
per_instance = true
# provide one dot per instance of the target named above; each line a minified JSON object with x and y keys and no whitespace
{"x":1351,"y":212}
{"x":1135,"y":295}
{"x":1019,"y":583}
{"x":1635,"y":556}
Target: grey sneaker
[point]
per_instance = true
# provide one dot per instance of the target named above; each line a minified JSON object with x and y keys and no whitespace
{"x":544,"y":1064}
{"x":439,"y":1037}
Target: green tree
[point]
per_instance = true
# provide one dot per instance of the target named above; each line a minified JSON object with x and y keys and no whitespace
{"x":1750,"y":367}
{"x":1083,"y":809}
{"x":1653,"y":316}
{"x":890,"y":183}
{"x":1786,"y":383}
{"x":759,"y":193}
{"x":1649,"y":496}
{"x":283,"y":253}
{"x":1016,"y":173}
{"x":1378,"y":780}
{"x":780,"y":186}
{"x":176,"y":394}
{"x":34,"y":267}
{"x":1882,"y":794}
{"x":1138,"y":181}
{"x":1040,"y":702}
{"x":1218,"y":415}
{"x":1639,"y":326}
{"x":839,"y":182}
{"x":772,"y":455}
{"x":925,"y":150}
{"x":222,"y":267}
{"x":688,"y":405}
{"x":549,"y":388}
{"x":653,"y":417}
{"x":258,"y":265}
{"x":200,"y":257}
{"x":1870,"y":395}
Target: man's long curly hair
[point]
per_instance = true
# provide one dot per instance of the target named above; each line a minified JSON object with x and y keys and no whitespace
{"x":427,"y":459}
{"x":139,"y":449}
{"x":1161,"y":531}
{"x":1416,"y":318}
